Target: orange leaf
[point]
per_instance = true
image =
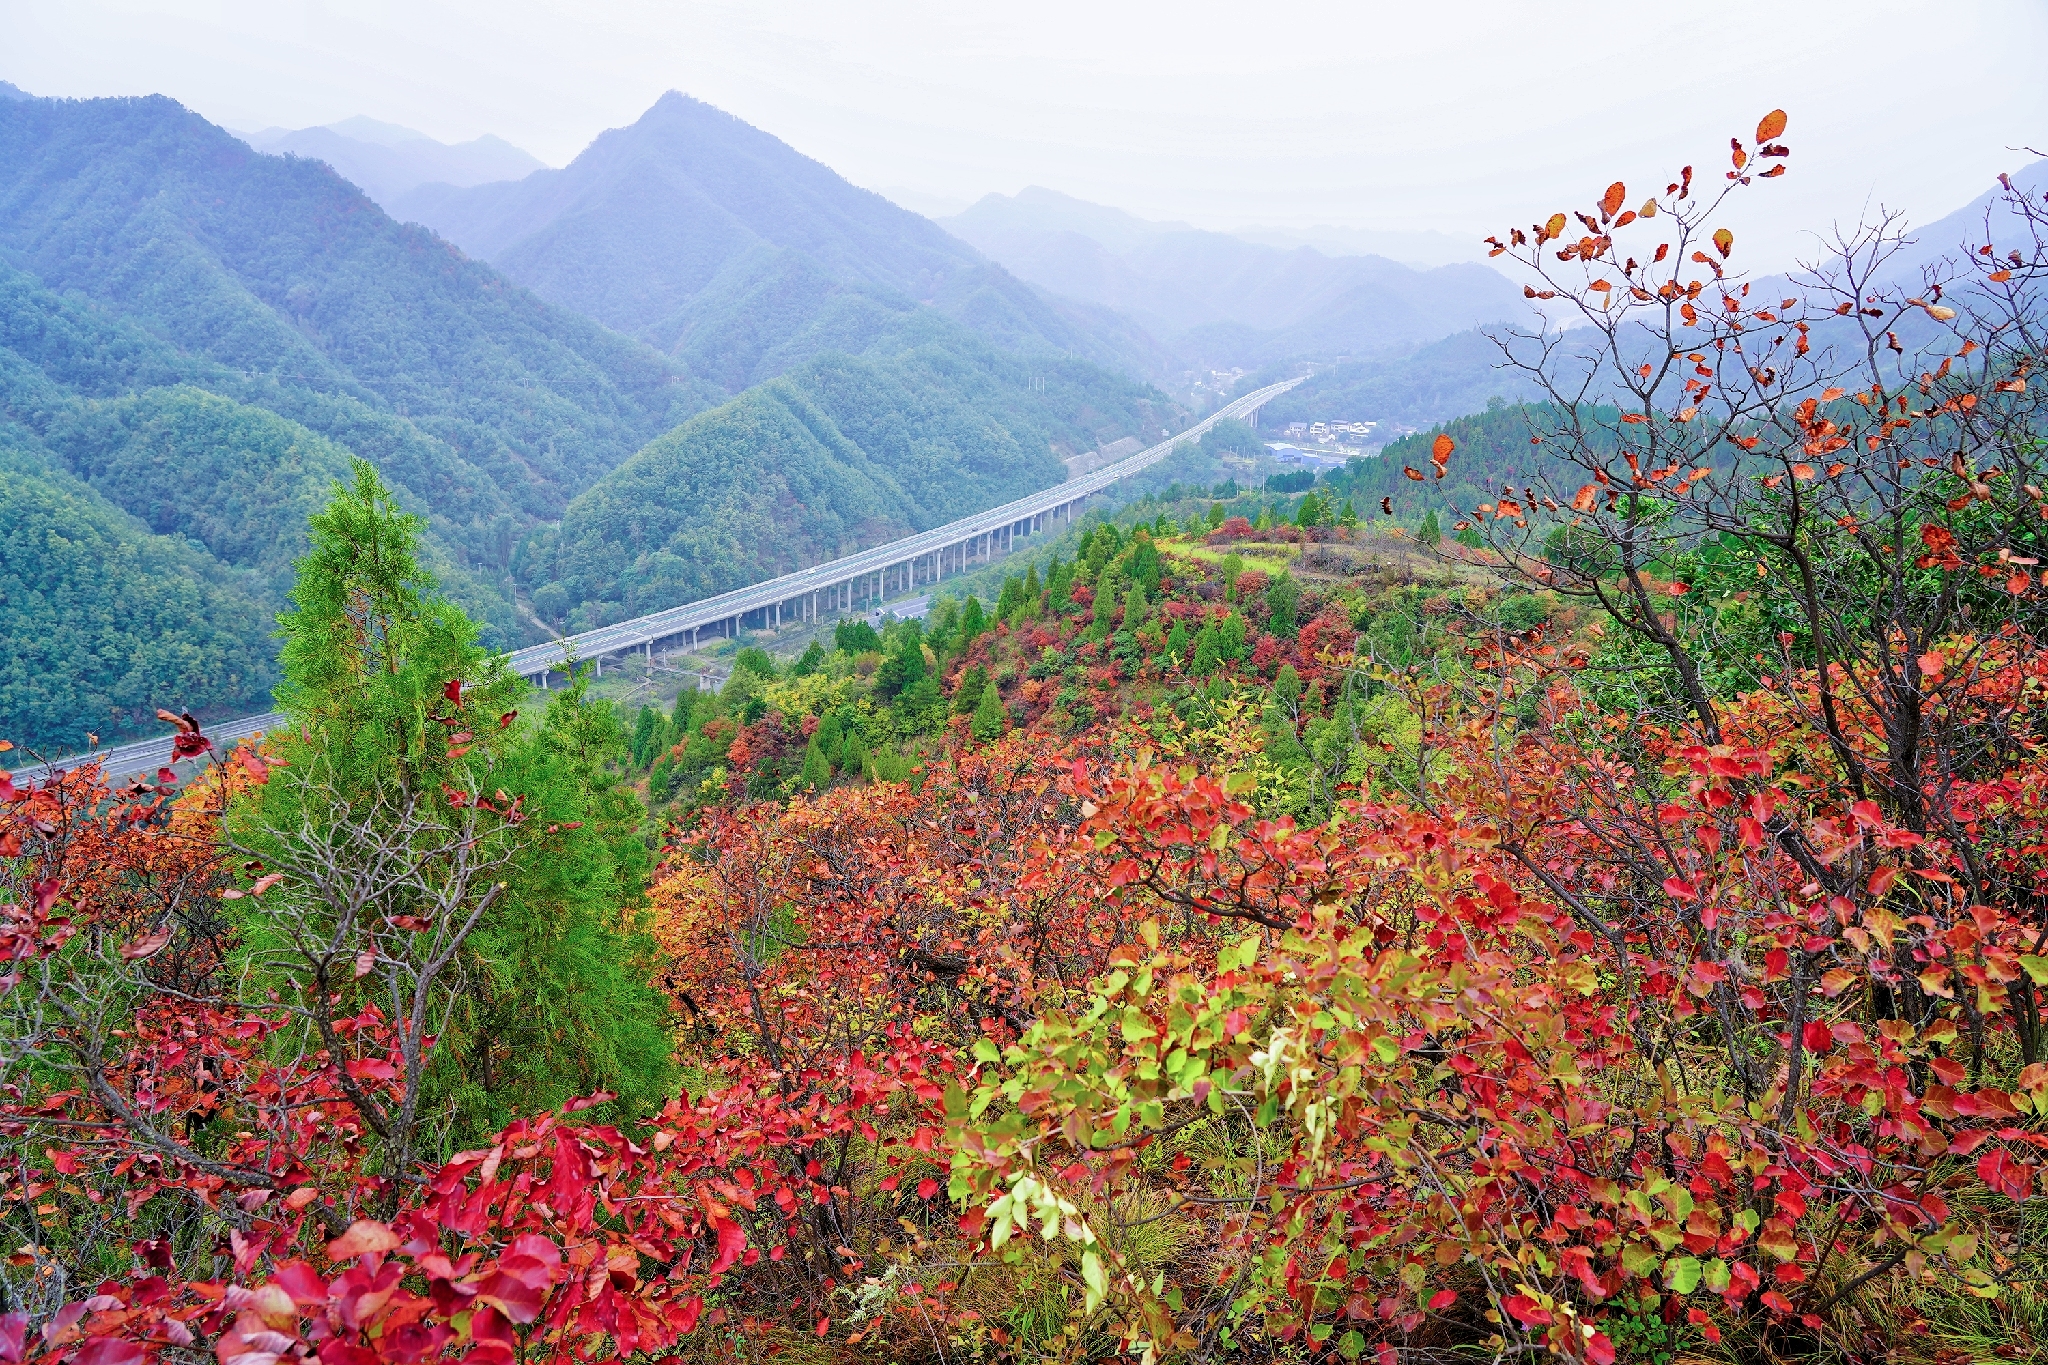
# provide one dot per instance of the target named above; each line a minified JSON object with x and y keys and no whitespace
{"x":363,"y":1236}
{"x":1773,"y":125}
{"x":1554,"y":229}
{"x":1584,"y":499}
{"x":1412,"y":472}
{"x":1610,"y":203}
{"x":1440,"y":449}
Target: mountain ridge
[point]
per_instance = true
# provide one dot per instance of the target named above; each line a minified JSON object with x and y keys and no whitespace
{"x":385,"y":160}
{"x":655,"y":226}
{"x":1223,"y":300}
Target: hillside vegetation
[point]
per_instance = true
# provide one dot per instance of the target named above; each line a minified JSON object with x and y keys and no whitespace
{"x":845,"y":451}
{"x":195,"y":338}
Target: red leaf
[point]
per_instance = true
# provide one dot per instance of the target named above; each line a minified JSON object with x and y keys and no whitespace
{"x":732,"y":1240}
{"x":107,"y":1351}
{"x":1442,"y":1299}
{"x":511,"y":1295}
{"x":149,"y":944}
{"x":453,"y":691}
{"x":13,"y":1331}
{"x":2013,"y":1179}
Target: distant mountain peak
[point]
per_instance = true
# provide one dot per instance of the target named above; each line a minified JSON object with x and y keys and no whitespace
{"x":387,"y":160}
{"x":383,"y":134}
{"x":10,"y":91}
{"x":1224,"y":301}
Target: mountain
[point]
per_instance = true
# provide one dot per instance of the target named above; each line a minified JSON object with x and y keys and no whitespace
{"x":841,"y":452}
{"x":1419,"y":248}
{"x":1221,"y":300}
{"x":386,"y":160}
{"x":194,"y":338}
{"x":691,"y":229}
{"x":105,"y":621}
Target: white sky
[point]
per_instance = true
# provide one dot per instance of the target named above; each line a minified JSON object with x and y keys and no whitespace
{"x":1456,"y":116}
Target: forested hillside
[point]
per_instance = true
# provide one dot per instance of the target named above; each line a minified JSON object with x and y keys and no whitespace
{"x":194,"y":339}
{"x":844,"y":451}
{"x":693,"y":230}
{"x":105,"y":621}
{"x":276,"y":268}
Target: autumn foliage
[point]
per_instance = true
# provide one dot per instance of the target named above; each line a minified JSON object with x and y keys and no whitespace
{"x":1669,"y":971}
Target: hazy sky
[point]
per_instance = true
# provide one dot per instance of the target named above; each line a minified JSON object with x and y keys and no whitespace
{"x":1455,"y":116}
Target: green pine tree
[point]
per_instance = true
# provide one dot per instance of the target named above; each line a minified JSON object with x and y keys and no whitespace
{"x":1283,"y":596}
{"x":1135,"y":607}
{"x":1177,"y":641}
{"x":973,"y":621}
{"x":853,"y":755}
{"x":399,"y":719}
{"x":1216,"y":515}
{"x":817,"y":770}
{"x":968,"y":695}
{"x":647,"y":728}
{"x":1348,"y":518}
{"x":989,"y":719}
{"x":1432,"y":530}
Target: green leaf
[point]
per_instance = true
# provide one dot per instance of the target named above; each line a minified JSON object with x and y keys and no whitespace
{"x":1386,"y":1049}
{"x":1096,"y":1278}
{"x":2036,"y":967}
{"x":1682,"y":1274}
{"x":985,"y":1051}
{"x":1351,"y":1345}
{"x":1639,"y":1258}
